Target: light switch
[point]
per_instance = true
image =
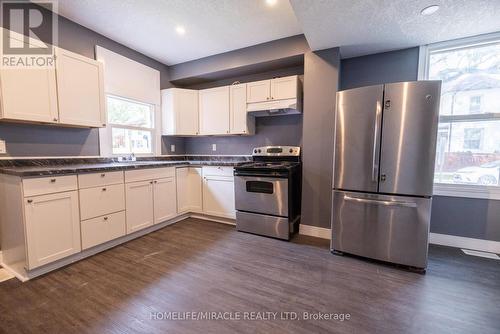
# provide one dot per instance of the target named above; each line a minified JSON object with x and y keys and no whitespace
{"x":214,"y":147}
{"x":172,"y":148}
{"x":3,"y":149}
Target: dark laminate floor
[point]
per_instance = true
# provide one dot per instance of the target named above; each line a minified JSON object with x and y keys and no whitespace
{"x":202,"y":266}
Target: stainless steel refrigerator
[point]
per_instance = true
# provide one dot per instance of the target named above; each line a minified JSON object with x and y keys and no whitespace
{"x":385,"y":145}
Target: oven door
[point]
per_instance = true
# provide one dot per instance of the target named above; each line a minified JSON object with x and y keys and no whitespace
{"x":261,"y":194}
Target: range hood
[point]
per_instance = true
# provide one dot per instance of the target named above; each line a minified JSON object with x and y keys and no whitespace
{"x":275,"y":107}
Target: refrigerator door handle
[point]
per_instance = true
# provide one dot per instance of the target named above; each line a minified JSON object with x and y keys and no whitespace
{"x":380,"y":202}
{"x":378,"y":112}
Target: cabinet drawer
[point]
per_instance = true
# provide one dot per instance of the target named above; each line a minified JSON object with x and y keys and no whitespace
{"x":217,"y":171}
{"x":48,"y":185}
{"x":102,"y":229}
{"x":149,"y":174}
{"x":99,"y":179}
{"x":100,"y":201}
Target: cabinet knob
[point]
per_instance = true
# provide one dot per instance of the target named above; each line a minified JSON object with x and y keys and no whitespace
{"x":30,"y":201}
{"x":104,"y":189}
{"x":103,"y":175}
{"x":55,"y":119}
{"x":105,"y":218}
{"x":52,"y":180}
{"x":267,"y":98}
{"x":155,"y":181}
{"x":151,"y":182}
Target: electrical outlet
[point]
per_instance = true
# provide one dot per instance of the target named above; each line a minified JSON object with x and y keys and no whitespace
{"x":3,"y":149}
{"x":214,"y":147}
{"x":172,"y":148}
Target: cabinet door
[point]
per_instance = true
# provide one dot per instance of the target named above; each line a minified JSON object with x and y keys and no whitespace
{"x":241,"y":123}
{"x":195,"y":189}
{"x":186,"y":112}
{"x":52,"y":227}
{"x":214,"y":111}
{"x":181,"y":175}
{"x":284,"y":88}
{"x":29,"y":95}
{"x":139,"y":205}
{"x":80,"y":89}
{"x":218,"y":196}
{"x":259,"y":91}
{"x":165,"y":199}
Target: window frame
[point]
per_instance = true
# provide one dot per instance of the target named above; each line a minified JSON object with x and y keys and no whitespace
{"x":105,"y":134}
{"x":460,"y":190}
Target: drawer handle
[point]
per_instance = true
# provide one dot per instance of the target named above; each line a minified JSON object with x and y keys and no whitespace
{"x":103,"y":175}
{"x":30,"y":201}
{"x":104,"y":189}
{"x":52,"y":180}
{"x":105,"y":218}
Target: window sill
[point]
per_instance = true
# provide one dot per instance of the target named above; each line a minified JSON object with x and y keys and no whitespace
{"x":467,"y":191}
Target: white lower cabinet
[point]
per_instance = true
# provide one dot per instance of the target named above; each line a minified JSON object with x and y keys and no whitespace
{"x":189,"y":189}
{"x":165,"y":199}
{"x":52,"y":227}
{"x":150,"y":197}
{"x":139,"y":205}
{"x":99,"y":230}
{"x":218,"y":192}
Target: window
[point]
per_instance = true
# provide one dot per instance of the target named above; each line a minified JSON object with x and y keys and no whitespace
{"x":475,"y":104}
{"x":132,"y":126}
{"x":468,"y":144}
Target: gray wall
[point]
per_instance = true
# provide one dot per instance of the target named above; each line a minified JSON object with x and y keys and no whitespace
{"x":48,"y":140}
{"x":401,"y":65}
{"x":465,"y":217}
{"x":275,"y":130}
{"x":321,"y":79}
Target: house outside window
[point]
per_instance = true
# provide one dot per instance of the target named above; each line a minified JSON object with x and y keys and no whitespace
{"x":132,"y":126}
{"x":468,"y":144}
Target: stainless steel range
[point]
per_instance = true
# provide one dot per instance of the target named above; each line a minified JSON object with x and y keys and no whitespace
{"x":268,"y":192}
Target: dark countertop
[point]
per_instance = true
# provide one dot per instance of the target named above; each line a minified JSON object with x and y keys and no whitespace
{"x":64,"y":169}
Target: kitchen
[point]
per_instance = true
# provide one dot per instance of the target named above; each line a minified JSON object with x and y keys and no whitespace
{"x":127,"y":165}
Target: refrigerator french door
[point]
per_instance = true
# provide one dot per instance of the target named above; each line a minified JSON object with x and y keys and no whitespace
{"x":383,"y":174}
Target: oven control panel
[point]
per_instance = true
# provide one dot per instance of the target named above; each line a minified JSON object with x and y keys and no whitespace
{"x":277,"y":151}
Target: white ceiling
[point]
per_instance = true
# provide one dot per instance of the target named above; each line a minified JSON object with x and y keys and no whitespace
{"x":363,"y":27}
{"x":212,"y":26}
{"x":359,"y":27}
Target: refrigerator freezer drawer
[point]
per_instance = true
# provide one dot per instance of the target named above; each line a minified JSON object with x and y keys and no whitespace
{"x":388,"y":228}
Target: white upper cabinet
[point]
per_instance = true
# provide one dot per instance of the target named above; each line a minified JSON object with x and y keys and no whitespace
{"x":80,"y":88}
{"x":240,"y":121}
{"x":28,"y":94}
{"x":179,"y":112}
{"x":274,"y":89}
{"x":214,"y":111}
{"x":284,"y":88}
{"x":259,"y":91}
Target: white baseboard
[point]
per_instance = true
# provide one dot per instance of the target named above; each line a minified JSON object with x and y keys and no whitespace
{"x":314,"y":231}
{"x":467,"y":243}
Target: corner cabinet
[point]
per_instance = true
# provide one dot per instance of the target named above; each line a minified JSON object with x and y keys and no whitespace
{"x":80,"y":90}
{"x":189,"y":189}
{"x":214,"y":111}
{"x":179,"y":112}
{"x":218,"y":192}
